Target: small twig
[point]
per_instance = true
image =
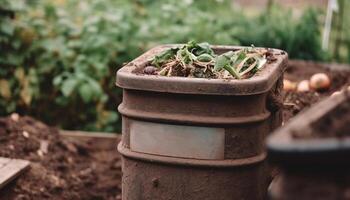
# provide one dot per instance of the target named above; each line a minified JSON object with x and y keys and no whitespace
{"x":163,"y":72}
{"x":170,"y":70}
{"x":203,"y":64}
{"x":289,"y":104}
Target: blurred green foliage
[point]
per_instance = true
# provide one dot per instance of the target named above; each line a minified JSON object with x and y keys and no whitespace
{"x":340,"y":34}
{"x":59,"y":57}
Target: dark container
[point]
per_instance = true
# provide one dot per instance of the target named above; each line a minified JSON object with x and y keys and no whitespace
{"x":193,"y":138}
{"x":312,"y":152}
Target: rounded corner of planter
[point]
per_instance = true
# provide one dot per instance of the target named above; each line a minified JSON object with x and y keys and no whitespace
{"x":120,"y":77}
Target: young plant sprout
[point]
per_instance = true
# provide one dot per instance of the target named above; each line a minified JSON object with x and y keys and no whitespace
{"x":199,"y":60}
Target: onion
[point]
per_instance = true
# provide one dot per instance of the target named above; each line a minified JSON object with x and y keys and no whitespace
{"x":289,"y":85}
{"x":320,"y":81}
{"x":303,"y":86}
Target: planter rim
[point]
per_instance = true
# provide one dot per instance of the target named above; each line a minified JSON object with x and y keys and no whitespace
{"x":282,"y":148}
{"x":261,"y":82}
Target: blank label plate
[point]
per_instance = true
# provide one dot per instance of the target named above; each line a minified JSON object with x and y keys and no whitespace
{"x":177,"y":140}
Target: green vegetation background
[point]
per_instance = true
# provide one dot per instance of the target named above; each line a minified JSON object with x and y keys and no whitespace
{"x":59,"y":57}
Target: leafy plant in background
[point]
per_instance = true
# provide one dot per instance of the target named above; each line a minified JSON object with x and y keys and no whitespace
{"x":57,"y":63}
{"x":59,"y":57}
{"x":340,"y":34}
{"x":277,"y":28}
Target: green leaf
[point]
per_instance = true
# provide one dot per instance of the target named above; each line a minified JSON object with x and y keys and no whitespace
{"x":86,"y":93}
{"x":232,"y":71}
{"x":11,"y":107}
{"x":223,"y":60}
{"x":68,"y":87}
{"x":57,"y":80}
{"x":203,"y":48}
{"x":95,"y":88}
{"x":7,"y":27}
{"x":185,"y":56}
{"x":239,"y":56}
{"x":205,"y":57}
{"x":62,"y":101}
{"x":166,"y":55}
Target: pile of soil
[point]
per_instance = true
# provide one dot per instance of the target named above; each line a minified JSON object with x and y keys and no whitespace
{"x":295,"y":102}
{"x":60,"y":168}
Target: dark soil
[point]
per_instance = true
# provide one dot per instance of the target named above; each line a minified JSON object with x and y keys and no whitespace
{"x":61,"y":170}
{"x":335,"y":123}
{"x":301,"y":70}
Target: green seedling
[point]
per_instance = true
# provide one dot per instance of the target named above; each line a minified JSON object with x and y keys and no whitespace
{"x":198,"y":58}
{"x":164,"y":57}
{"x":224,"y":61}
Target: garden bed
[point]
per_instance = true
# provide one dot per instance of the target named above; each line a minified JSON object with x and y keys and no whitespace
{"x":318,"y":137}
{"x":81,"y":168}
{"x":302,"y":70}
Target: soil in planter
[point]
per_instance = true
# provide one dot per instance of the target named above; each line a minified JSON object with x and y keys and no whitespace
{"x":295,"y":102}
{"x":60,"y":169}
{"x":198,"y":60}
{"x":334,"y":124}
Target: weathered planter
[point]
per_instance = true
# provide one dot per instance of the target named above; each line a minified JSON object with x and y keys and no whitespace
{"x":191,"y":138}
{"x":313,"y":167}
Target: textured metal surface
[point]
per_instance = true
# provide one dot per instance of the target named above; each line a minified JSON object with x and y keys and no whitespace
{"x":164,"y":139}
{"x":246,"y":110}
{"x":179,"y":182}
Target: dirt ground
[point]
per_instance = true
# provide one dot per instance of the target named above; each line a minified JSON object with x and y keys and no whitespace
{"x":60,"y":169}
{"x":66,"y":169}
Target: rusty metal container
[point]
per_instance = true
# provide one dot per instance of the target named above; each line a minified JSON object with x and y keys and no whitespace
{"x":313,"y":167}
{"x":191,"y":138}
